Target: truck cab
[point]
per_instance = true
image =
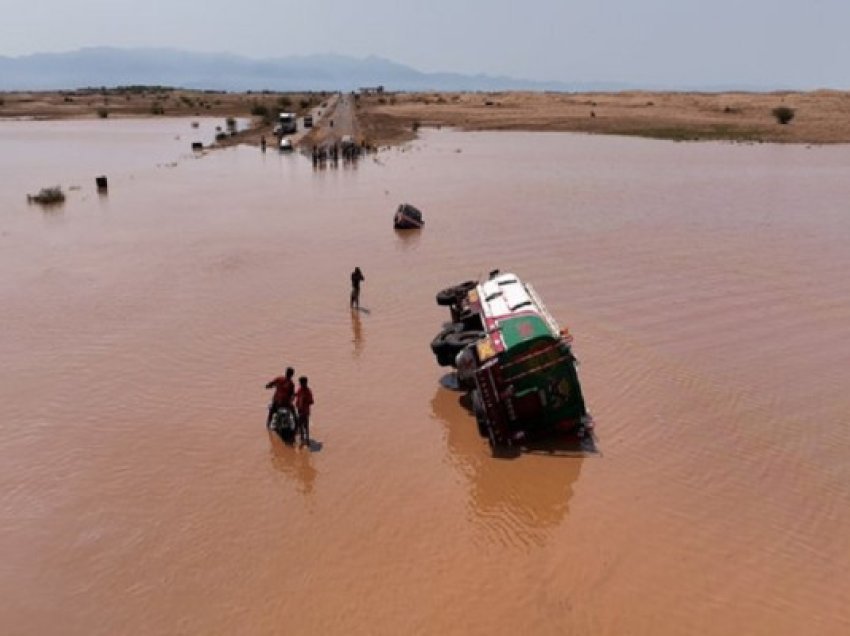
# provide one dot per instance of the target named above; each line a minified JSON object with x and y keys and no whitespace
{"x":286,"y":123}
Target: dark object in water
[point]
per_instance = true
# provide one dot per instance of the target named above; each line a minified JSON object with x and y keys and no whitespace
{"x":283,"y":423}
{"x":197,"y":146}
{"x":101,"y":183}
{"x":407,"y":218}
{"x":515,"y":361}
{"x":47,"y":196}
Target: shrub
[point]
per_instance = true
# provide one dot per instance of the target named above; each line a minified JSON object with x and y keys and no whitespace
{"x":3,"y":101}
{"x":415,"y":125}
{"x":231,"y":123}
{"x":285,"y":102}
{"x":783,"y":114}
{"x":157,"y":109}
{"x":260,"y":110}
{"x":102,"y":113}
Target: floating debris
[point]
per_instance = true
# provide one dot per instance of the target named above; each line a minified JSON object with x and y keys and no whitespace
{"x":407,"y":217}
{"x":47,"y":196}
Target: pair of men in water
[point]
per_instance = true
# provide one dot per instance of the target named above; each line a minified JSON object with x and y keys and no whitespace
{"x":284,"y":395}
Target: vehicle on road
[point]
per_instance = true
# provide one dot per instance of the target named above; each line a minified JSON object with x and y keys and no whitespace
{"x":286,"y":124}
{"x":513,"y":358}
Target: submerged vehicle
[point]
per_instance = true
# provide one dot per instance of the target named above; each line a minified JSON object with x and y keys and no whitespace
{"x":514,"y":359}
{"x":286,"y":145}
{"x":407,"y":218}
{"x":283,"y":423}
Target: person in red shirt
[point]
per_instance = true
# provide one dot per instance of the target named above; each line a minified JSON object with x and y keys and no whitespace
{"x":303,"y":401}
{"x":284,"y":389}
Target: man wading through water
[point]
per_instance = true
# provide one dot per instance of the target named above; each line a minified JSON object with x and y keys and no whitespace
{"x":356,"y":278}
{"x":284,"y":390}
{"x":303,"y":402}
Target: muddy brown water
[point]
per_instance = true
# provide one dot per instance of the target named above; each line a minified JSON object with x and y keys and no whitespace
{"x":707,"y":287}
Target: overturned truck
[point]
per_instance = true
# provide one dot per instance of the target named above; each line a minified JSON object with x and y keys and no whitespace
{"x":514,"y":359}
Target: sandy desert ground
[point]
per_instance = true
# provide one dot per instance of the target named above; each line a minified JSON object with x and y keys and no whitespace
{"x":821,"y":117}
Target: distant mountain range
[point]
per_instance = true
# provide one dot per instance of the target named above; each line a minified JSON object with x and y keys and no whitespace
{"x":104,"y":66}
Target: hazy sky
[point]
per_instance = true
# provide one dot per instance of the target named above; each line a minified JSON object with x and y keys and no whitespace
{"x":654,"y":43}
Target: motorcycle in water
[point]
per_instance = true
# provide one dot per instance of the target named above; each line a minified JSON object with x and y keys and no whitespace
{"x":283,"y":423}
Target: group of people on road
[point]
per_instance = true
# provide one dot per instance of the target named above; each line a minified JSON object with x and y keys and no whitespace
{"x":331,"y":153}
{"x":296,"y":401}
{"x":299,"y":400}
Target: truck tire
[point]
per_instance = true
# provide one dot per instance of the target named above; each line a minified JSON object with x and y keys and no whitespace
{"x":461,"y":339}
{"x":439,"y":344}
{"x":444,"y":351}
{"x":452,"y":295}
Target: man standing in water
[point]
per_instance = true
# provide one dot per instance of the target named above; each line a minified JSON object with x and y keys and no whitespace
{"x":303,"y":401}
{"x":356,"y":278}
{"x":284,"y":389}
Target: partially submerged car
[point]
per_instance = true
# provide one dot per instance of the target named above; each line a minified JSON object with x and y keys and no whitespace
{"x":514,"y":359}
{"x":407,"y":217}
{"x":286,"y":145}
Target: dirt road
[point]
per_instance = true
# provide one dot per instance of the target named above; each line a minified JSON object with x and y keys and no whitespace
{"x":337,"y":120}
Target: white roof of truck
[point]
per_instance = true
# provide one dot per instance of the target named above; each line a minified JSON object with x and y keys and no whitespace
{"x":506,"y":294}
{"x":503,"y":295}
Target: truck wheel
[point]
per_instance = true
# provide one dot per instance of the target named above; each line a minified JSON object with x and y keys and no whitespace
{"x":461,"y":339}
{"x":452,"y":295}
{"x":442,"y":349}
{"x":440,"y":345}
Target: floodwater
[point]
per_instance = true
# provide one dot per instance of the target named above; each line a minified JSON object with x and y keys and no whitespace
{"x":707,"y":286}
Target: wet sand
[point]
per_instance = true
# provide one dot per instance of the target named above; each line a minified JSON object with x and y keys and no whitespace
{"x":705,"y":284}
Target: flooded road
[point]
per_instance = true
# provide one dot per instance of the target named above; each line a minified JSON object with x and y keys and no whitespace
{"x":706,"y":286}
